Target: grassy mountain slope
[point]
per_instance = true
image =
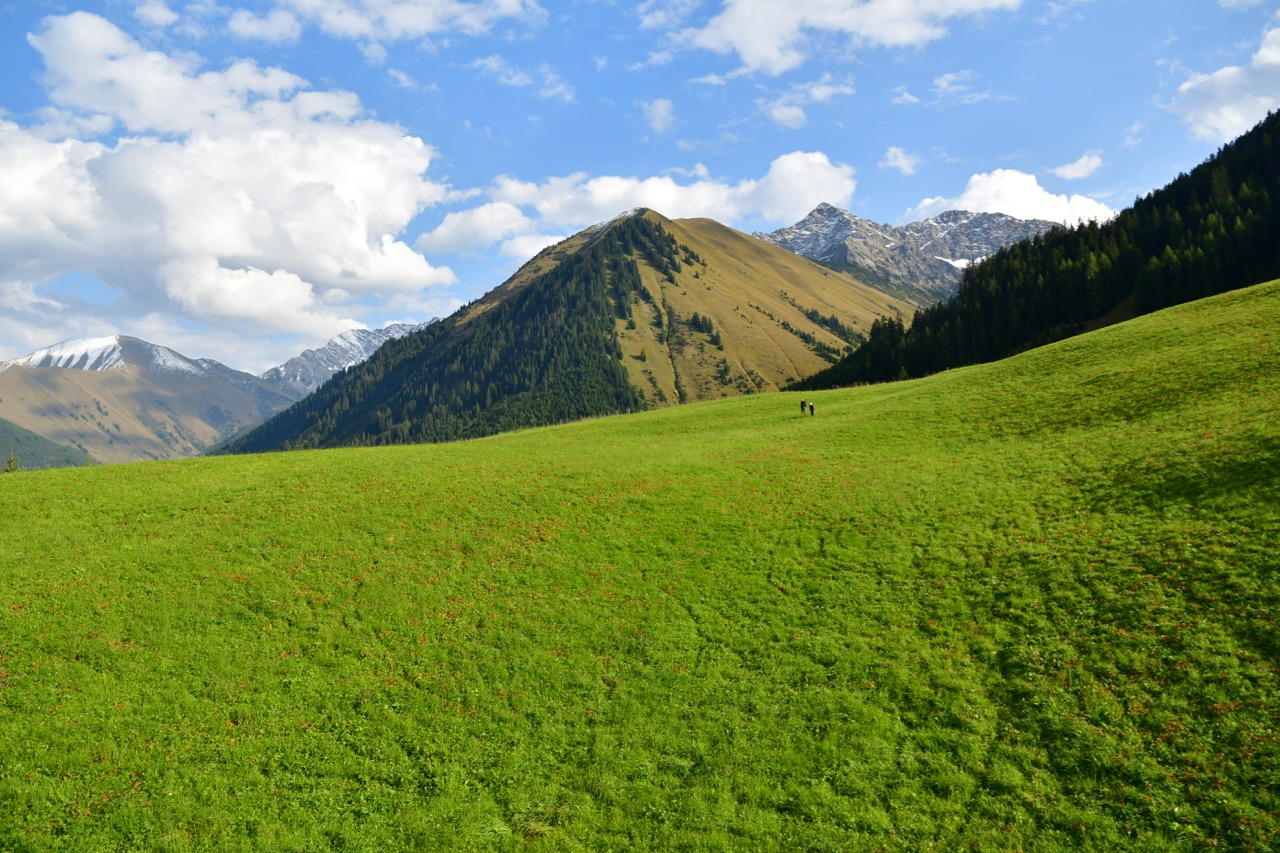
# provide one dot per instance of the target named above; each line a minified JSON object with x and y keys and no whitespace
{"x":636,"y":313}
{"x":1207,"y":232}
{"x":1025,"y":605}
{"x":765,"y":308}
{"x":34,"y":451}
{"x":122,"y":416}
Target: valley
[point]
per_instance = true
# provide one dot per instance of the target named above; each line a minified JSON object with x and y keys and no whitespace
{"x":1020,"y":605}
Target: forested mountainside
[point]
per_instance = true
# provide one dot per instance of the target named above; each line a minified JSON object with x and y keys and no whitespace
{"x":1213,"y":230}
{"x":634,"y":313}
{"x":22,"y":449}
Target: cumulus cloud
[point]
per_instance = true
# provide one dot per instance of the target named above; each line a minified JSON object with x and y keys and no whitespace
{"x":1016,"y":194}
{"x":775,"y":36}
{"x":234,"y":194}
{"x":1082,"y":168}
{"x":462,"y":231}
{"x":523,"y":216}
{"x":896,"y":158}
{"x":1225,"y":103}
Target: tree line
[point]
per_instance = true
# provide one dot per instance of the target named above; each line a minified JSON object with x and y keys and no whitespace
{"x":1207,"y":232}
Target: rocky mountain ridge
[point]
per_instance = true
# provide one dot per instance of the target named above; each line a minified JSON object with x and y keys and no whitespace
{"x":921,"y":262}
{"x":307,"y":371}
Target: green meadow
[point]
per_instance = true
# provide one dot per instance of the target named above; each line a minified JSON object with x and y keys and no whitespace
{"x":1027,"y":605}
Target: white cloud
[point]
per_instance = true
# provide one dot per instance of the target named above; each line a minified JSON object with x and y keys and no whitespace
{"x":403,"y":80}
{"x":957,"y":88}
{"x":777,"y":35}
{"x":659,"y":114}
{"x":526,"y":246}
{"x":155,"y":13}
{"x":397,"y":20}
{"x":552,"y":85}
{"x":1224,"y":104}
{"x":1082,"y":168}
{"x":277,"y":25}
{"x":523,"y":213}
{"x":896,"y":158}
{"x":279,"y":299}
{"x":235,"y":193}
{"x":1016,"y":194}
{"x":788,"y":109}
{"x":902,"y":96}
{"x":499,"y":69}
{"x":1133,"y":135}
{"x":665,"y":14}
{"x":462,"y":231}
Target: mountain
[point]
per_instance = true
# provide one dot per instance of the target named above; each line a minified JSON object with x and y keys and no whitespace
{"x":920,"y":263}
{"x":302,"y":374}
{"x":1206,"y":232}
{"x":28,"y":450}
{"x":637,"y":312}
{"x":120,"y":399}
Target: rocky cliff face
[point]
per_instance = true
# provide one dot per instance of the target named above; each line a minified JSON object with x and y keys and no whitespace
{"x":921,"y":262}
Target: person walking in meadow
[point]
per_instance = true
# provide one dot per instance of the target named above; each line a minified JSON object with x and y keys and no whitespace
{"x":811,"y":410}
{"x":802,"y":405}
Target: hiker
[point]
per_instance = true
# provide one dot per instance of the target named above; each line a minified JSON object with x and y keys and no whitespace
{"x":802,"y":405}
{"x":811,"y":409}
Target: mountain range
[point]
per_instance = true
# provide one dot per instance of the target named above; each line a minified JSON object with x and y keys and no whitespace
{"x":921,"y":263}
{"x":119,"y":398}
{"x":680,"y":311}
{"x":638,"y":312}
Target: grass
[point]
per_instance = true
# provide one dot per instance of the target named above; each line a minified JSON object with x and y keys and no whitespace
{"x":1027,"y":605}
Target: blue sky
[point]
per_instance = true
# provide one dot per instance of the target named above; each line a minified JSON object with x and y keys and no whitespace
{"x":242,"y":181}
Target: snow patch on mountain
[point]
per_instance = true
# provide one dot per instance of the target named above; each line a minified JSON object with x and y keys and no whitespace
{"x":922,"y":262}
{"x":117,"y":352}
{"x":304,"y":373}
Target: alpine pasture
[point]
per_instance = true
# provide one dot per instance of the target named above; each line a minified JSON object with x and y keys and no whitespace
{"x":1026,"y":605}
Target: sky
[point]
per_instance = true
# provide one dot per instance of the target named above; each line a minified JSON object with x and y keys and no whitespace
{"x":245,"y":180}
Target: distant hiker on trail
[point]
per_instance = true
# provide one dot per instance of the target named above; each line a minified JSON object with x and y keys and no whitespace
{"x":811,"y":409}
{"x":802,"y":405}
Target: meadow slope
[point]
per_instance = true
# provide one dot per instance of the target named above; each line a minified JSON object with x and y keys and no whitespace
{"x":1025,"y":605}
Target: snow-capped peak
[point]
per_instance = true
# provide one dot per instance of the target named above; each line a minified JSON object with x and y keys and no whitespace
{"x":82,"y":354}
{"x":115,"y":352}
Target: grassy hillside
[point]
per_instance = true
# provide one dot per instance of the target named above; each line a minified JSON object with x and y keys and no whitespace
{"x":767,"y":317}
{"x":32,"y":451}
{"x":636,"y":313}
{"x":1026,"y":605}
{"x":1206,"y":232}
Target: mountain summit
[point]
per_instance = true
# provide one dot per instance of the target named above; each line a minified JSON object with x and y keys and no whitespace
{"x":304,"y":373}
{"x":637,"y":312}
{"x":921,"y":263}
{"x":120,"y":399}
{"x":116,"y":352}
